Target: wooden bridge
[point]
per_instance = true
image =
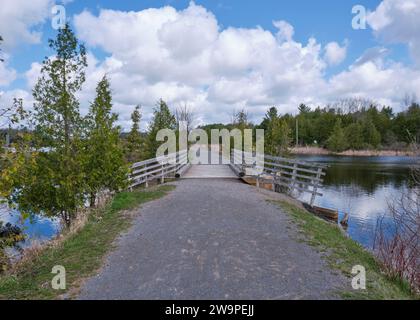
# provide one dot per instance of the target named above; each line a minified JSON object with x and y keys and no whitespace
{"x":277,"y":174}
{"x":214,"y":237}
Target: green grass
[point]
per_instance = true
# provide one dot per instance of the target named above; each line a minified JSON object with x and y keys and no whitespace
{"x":81,"y":253}
{"x":343,"y":253}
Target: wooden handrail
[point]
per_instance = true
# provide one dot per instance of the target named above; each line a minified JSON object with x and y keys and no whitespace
{"x":158,"y":168}
{"x":303,"y":176}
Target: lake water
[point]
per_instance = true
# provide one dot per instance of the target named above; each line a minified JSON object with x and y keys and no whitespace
{"x":37,"y":229}
{"x":360,"y":186}
{"x":363,"y":187}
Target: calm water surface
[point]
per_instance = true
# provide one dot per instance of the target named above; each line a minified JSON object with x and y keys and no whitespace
{"x":37,"y":229}
{"x":363,"y":187}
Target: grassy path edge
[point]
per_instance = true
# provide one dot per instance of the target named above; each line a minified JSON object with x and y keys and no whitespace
{"x":343,"y":253}
{"x":81,"y":253}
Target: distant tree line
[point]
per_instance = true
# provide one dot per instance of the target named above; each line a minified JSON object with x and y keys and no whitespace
{"x":367,"y":127}
{"x":352,"y":124}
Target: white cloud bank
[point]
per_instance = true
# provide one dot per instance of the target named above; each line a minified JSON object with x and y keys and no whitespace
{"x":397,"y":21}
{"x":186,"y":57}
{"x":19,"y":19}
{"x":334,"y":53}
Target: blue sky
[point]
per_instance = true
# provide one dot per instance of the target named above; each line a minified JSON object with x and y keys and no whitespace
{"x":326,"y":20}
{"x":227,"y":27}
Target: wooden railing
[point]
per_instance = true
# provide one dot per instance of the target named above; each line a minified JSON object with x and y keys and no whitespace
{"x":282,"y":173}
{"x":172,"y":166}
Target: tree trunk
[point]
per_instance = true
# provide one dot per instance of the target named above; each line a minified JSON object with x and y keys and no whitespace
{"x":92,"y":199}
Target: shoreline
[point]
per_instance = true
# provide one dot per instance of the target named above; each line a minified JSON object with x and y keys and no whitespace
{"x":351,"y":153}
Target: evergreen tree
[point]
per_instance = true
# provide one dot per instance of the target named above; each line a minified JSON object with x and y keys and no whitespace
{"x":337,"y":141}
{"x":372,"y":135}
{"x":134,"y":140}
{"x":104,"y":161}
{"x":354,"y":134}
{"x":49,"y":179}
{"x":303,"y":109}
{"x":271,"y":114}
{"x":162,"y":119}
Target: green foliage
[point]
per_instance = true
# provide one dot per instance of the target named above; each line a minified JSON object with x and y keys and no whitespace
{"x":162,"y":119}
{"x":337,"y":141}
{"x":134,"y":139}
{"x":277,"y":133}
{"x":10,"y":236}
{"x":47,"y":176}
{"x":364,"y":127}
{"x":277,"y":137}
{"x":104,"y":159}
{"x":355,"y":138}
{"x":271,"y":114}
{"x":304,"y":109}
{"x":407,"y":124}
{"x":371,"y":134}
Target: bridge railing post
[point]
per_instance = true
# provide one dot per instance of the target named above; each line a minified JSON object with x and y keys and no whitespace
{"x":315,"y":188}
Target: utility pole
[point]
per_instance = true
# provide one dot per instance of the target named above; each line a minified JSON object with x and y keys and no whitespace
{"x":297,"y":133}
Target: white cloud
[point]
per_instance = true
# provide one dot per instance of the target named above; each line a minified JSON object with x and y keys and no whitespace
{"x":185,"y":57}
{"x":397,"y":21}
{"x":286,"y":30}
{"x":19,"y":20}
{"x":384,"y":83}
{"x":334,"y":53}
{"x":7,"y":75}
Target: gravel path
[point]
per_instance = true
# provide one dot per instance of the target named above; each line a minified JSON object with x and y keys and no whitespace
{"x":212,"y":239}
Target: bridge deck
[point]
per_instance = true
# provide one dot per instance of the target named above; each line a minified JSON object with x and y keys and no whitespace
{"x":210,"y":172}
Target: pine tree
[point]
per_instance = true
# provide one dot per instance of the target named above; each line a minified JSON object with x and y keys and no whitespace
{"x":271,"y":114}
{"x":162,"y":119}
{"x":104,"y":159}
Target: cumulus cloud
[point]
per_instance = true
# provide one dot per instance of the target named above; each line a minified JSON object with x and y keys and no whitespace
{"x":7,"y":75}
{"x":334,"y":53}
{"x":385,"y":83}
{"x":186,"y":57}
{"x":19,"y":20}
{"x":286,"y":30}
{"x":397,"y":21}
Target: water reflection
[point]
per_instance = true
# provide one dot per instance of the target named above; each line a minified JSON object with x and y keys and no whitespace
{"x":36,"y":229}
{"x":363,"y":187}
